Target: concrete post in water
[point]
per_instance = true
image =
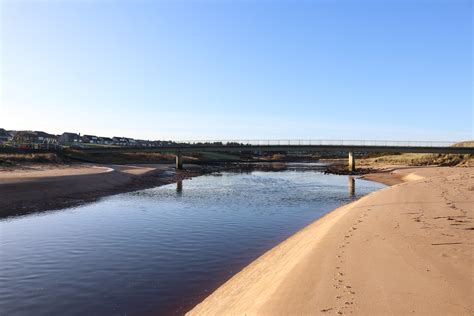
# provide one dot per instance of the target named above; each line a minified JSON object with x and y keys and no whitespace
{"x":179,"y":161}
{"x":352,"y":163}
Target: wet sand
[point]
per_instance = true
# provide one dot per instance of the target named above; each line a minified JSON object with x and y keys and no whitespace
{"x":405,"y":249}
{"x":38,"y":188}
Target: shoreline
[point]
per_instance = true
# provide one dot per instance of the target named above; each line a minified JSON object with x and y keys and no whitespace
{"x":403,"y":249}
{"x":39,"y":188}
{"x":43,"y":188}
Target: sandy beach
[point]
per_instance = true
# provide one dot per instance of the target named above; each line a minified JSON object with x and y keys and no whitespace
{"x":405,"y":249}
{"x":40,"y":187}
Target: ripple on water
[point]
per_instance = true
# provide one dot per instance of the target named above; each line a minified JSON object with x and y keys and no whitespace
{"x":157,"y":251}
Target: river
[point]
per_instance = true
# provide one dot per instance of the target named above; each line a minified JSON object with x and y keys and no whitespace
{"x":158,"y":251}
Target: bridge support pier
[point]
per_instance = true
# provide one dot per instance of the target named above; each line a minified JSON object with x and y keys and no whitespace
{"x":352,"y":162}
{"x":179,"y":161}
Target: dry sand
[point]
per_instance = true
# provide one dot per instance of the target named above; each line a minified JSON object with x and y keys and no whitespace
{"x":34,"y":172}
{"x":406,"y":249}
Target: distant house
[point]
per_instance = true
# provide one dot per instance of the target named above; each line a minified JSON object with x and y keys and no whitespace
{"x":45,"y":138}
{"x":12,"y":134}
{"x":25,"y":137}
{"x":5,"y":136}
{"x":91,"y":139}
{"x":144,"y":143}
{"x":120,"y":141}
{"x":148,"y":143}
{"x":140,"y":142}
{"x":67,"y":138}
{"x":106,"y":140}
{"x":34,"y":139}
{"x":131,"y":142}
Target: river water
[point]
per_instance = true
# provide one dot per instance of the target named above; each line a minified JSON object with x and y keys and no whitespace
{"x":158,"y":251}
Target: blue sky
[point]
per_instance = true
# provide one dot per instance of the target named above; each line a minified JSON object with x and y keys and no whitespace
{"x":239,"y":69}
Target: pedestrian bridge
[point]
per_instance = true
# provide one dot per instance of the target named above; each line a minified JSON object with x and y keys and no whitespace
{"x":351,"y":147}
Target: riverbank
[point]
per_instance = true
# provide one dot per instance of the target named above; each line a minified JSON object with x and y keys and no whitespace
{"x":40,"y":187}
{"x":406,"y":249}
{"x":29,"y":188}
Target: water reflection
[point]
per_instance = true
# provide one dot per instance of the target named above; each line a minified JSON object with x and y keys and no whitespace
{"x":179,"y":187}
{"x":158,"y":251}
{"x":351,"y":184}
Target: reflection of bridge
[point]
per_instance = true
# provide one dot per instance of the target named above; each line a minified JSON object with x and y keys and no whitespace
{"x":351,"y":186}
{"x":352,"y":147}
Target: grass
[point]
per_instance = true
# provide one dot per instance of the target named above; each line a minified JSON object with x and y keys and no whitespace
{"x":143,"y":157}
{"x":118,"y":157}
{"x":422,"y":159}
{"x":13,"y":159}
{"x":418,"y":160}
{"x":87,"y":145}
{"x":469,"y":143}
{"x":216,"y":156}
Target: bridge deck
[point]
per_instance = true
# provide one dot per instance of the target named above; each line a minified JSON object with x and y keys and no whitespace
{"x":303,"y":148}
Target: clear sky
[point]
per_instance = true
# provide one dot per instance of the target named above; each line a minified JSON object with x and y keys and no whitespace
{"x":239,"y":69}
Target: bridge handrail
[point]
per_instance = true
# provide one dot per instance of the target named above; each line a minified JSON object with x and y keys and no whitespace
{"x":319,"y":142}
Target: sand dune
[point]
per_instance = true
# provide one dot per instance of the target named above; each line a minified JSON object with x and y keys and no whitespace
{"x":406,"y":249}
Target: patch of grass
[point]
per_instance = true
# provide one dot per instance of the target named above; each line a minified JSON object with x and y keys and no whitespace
{"x":417,"y":160}
{"x":12,"y":159}
{"x":118,"y":157}
{"x":216,"y":156}
{"x":421,"y":159}
{"x":468,"y":143}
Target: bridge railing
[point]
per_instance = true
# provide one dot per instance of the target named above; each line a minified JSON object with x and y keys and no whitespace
{"x":318,"y":142}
